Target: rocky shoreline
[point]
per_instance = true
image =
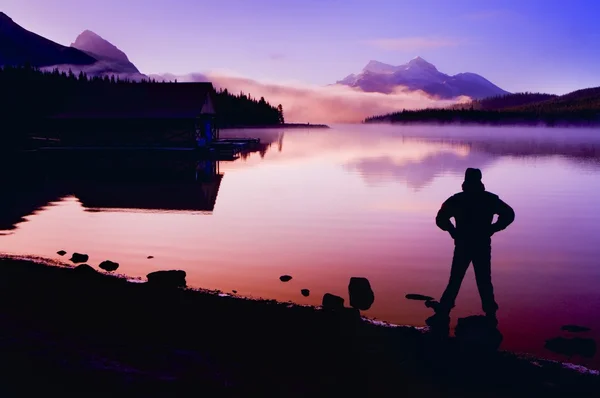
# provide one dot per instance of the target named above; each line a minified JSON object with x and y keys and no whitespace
{"x":75,"y":330}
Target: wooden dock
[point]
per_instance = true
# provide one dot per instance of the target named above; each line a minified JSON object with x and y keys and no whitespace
{"x":221,"y":149}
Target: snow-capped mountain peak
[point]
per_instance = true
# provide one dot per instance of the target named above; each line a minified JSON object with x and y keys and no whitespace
{"x":418,"y":74}
{"x":419,"y":62}
{"x":91,"y":42}
{"x":379,"y":67}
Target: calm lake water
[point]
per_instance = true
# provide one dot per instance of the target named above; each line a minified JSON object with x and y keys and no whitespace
{"x":326,"y":205}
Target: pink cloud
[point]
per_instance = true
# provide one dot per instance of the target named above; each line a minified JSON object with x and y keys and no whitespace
{"x":322,"y":104}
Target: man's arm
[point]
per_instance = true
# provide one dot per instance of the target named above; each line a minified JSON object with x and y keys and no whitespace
{"x":442,"y":220}
{"x":506,"y":215}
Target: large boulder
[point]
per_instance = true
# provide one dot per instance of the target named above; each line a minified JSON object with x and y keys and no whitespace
{"x":79,"y":258}
{"x":167,"y":279}
{"x":109,"y":266}
{"x":361,"y":294}
{"x":332,"y":302}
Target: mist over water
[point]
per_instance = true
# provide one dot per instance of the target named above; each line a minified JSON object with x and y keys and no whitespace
{"x":320,"y":104}
{"x":354,"y":200}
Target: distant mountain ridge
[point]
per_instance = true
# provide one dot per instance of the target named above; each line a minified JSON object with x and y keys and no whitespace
{"x":418,"y":74}
{"x":19,"y":46}
{"x":90,"y":53}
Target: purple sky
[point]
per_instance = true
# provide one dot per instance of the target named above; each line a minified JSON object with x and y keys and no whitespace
{"x":533,"y":45}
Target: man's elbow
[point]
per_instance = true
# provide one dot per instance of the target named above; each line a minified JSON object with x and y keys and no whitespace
{"x":507,"y":218}
{"x":441,"y":223}
{"x":510,"y":215}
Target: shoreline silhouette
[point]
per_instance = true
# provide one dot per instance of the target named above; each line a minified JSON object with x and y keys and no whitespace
{"x":146,"y":338}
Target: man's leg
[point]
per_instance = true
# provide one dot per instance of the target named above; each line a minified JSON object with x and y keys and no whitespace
{"x":460,"y":264}
{"x":483,"y":276}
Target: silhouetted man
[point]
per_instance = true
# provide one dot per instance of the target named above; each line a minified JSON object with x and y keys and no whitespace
{"x":473,"y":210}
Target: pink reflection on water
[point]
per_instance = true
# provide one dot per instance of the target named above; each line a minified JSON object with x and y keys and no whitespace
{"x":360,"y":205}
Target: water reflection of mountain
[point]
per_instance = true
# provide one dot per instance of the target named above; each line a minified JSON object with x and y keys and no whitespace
{"x":571,"y":149}
{"x":420,"y":172}
{"x":456,"y":154}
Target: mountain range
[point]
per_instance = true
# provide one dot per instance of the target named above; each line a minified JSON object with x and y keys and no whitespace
{"x":89,"y":53}
{"x":418,"y":74}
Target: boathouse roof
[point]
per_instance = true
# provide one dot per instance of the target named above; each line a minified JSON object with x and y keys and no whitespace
{"x":141,"y":101}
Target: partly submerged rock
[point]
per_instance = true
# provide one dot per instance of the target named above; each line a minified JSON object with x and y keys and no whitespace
{"x":168,"y":279}
{"x":361,"y":294}
{"x":109,"y":266}
{"x":79,"y":258}
{"x":575,"y":328}
{"x":234,"y":291}
{"x":332,"y":302}
{"x":479,"y":333}
{"x":85,"y":269}
{"x":150,"y":257}
{"x":419,"y":297}
{"x":285,"y":278}
{"x":305,"y":292}
{"x":570,"y":347}
{"x":61,"y":252}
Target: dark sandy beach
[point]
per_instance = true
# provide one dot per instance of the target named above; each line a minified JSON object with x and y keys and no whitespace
{"x":68,"y":331}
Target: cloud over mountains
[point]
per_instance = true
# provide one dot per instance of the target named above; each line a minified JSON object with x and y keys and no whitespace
{"x":319,"y":104}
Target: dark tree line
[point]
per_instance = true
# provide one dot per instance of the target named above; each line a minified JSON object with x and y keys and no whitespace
{"x":243,"y":110}
{"x":505,"y":101}
{"x":500,"y":117}
{"x":30,"y":95}
{"x":579,"y":107}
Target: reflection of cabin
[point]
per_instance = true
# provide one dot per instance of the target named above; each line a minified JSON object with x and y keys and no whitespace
{"x":196,"y":191}
{"x":167,"y":196}
{"x":137,"y":114}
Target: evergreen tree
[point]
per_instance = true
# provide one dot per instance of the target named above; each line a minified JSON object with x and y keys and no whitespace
{"x":280,"y":114}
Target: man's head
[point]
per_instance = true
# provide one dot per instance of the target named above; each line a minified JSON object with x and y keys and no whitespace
{"x":473,"y":180}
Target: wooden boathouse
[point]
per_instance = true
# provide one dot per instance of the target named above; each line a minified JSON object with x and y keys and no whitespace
{"x":164,"y":115}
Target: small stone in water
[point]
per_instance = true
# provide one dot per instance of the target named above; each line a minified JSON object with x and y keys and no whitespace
{"x":79,"y":258}
{"x":285,"y":278}
{"x":109,"y":266}
{"x":305,"y":292}
{"x":61,"y":252}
